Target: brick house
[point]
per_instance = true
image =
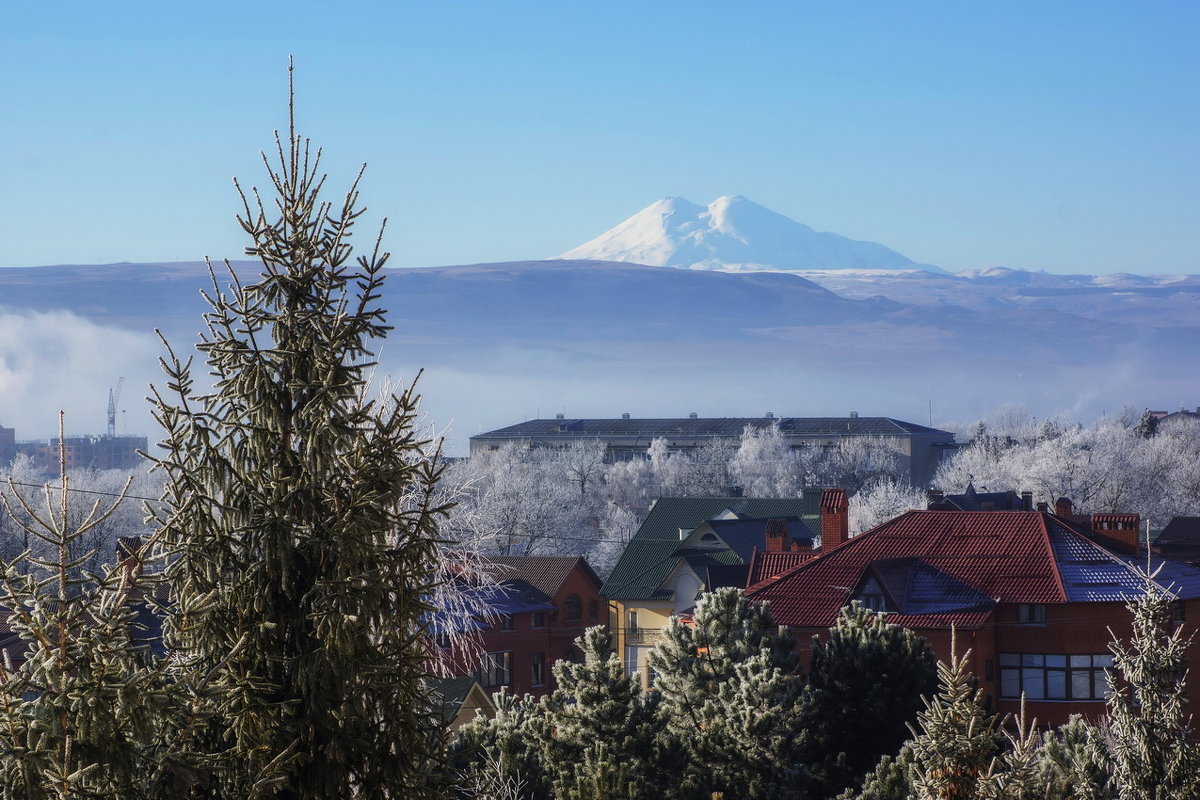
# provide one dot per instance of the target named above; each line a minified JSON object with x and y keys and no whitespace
{"x":542,"y":605}
{"x":1032,"y":594}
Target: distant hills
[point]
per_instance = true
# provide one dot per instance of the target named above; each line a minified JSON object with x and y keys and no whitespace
{"x":503,"y":342}
{"x":732,"y":233}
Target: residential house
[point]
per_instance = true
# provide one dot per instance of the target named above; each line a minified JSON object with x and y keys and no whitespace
{"x":462,"y":700}
{"x":1035,"y":597}
{"x":541,"y":606}
{"x":920,"y":449}
{"x":1180,"y":540}
{"x":693,"y":544}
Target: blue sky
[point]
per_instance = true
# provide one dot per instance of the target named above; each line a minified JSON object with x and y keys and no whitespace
{"x":1049,"y":136}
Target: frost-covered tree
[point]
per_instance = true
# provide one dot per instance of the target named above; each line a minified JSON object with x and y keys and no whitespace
{"x":1154,"y":756}
{"x":955,"y":740}
{"x":85,"y":707}
{"x":865,"y":686}
{"x":765,"y":465}
{"x":300,"y":520}
{"x":880,"y":500}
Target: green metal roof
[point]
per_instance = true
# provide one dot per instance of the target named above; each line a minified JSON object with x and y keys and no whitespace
{"x":652,"y":552}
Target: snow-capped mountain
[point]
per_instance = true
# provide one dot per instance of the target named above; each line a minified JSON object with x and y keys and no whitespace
{"x":732,"y":234}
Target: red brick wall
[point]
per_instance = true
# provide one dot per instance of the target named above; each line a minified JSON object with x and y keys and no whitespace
{"x":554,"y":641}
{"x":1069,"y":629}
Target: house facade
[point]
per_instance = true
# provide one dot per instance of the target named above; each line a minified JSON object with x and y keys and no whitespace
{"x":692,"y":544}
{"x":920,"y":448}
{"x":542,"y":605}
{"x":1035,"y":596}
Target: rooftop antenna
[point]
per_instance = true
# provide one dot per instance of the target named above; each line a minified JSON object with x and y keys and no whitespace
{"x":114,"y":396}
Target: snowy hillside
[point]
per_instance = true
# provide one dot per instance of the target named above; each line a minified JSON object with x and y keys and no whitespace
{"x":732,"y":234}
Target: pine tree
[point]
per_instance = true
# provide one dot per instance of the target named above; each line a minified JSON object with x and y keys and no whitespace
{"x":694,"y":659}
{"x":1074,"y":763}
{"x":957,"y":741}
{"x":504,"y":751}
{"x":729,"y":688}
{"x":865,"y":686}
{"x":596,"y":705}
{"x":82,"y":714}
{"x":1154,"y":757}
{"x":300,"y":528}
{"x":891,"y":779}
{"x":1147,"y":425}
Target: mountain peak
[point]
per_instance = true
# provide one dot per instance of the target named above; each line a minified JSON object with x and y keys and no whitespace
{"x":734,"y":233}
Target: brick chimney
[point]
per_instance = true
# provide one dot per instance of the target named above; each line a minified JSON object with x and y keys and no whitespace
{"x":777,"y":536}
{"x":1062,"y":507}
{"x":835,"y":518}
{"x":129,"y":556}
{"x":1027,"y":501}
{"x":1117,"y":532}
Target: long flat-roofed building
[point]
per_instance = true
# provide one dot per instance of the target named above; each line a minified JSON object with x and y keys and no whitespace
{"x":920,"y":448}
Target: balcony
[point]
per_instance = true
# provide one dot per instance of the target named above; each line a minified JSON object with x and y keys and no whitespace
{"x":643,"y":637}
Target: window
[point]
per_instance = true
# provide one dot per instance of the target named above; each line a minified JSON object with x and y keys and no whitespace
{"x":1054,"y":677}
{"x":871,"y":595}
{"x":573,"y":608}
{"x":1178,"y":616}
{"x":539,"y":619}
{"x":593,"y":610}
{"x":1030,"y":613}
{"x":633,"y":622}
{"x":496,"y":670}
{"x":506,"y":622}
{"x":537,"y":670}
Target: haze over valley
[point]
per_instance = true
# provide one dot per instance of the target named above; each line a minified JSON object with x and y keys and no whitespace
{"x":744,"y":311}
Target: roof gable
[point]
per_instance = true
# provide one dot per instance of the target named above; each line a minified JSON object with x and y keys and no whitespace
{"x":545,"y":573}
{"x":651,"y":553}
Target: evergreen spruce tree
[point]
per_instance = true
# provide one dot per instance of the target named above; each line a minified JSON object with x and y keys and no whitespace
{"x":865,"y":686}
{"x":300,"y":528}
{"x":1154,"y":757}
{"x":957,"y":739}
{"x":84,"y":712}
{"x":1147,"y":425}
{"x":600,"y":730}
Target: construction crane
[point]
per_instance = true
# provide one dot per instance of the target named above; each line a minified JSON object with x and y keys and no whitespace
{"x":114,"y":397}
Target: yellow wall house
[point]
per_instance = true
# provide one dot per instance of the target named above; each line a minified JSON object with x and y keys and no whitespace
{"x":686,"y":546}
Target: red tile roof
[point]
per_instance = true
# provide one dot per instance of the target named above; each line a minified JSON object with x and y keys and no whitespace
{"x":765,"y":565}
{"x":1003,"y":555}
{"x":544,"y":573}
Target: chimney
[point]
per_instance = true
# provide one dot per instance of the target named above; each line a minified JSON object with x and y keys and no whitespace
{"x":1043,"y":507}
{"x":835,"y":518}
{"x":129,"y":556}
{"x":1027,"y":501}
{"x":625,"y":415}
{"x":933,"y":497}
{"x":1062,"y":507}
{"x":777,"y":536}
{"x":692,"y":415}
{"x":734,"y":491}
{"x":1117,"y":532}
{"x":558,"y":416}
{"x":853,"y":415}
{"x":770,"y":415}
